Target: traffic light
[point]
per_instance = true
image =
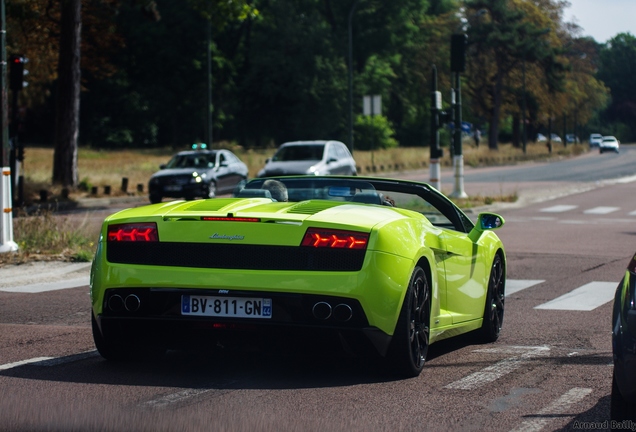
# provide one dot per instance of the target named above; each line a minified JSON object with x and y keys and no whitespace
{"x":17,"y":72}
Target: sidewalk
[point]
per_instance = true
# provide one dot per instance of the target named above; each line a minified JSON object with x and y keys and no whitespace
{"x":40,"y":276}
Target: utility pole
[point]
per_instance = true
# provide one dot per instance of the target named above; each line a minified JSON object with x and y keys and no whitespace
{"x":6,"y":219}
{"x":458,"y":64}
{"x":436,"y":151}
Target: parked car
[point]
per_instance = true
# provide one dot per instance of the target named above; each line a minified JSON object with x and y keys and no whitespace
{"x":571,"y":139}
{"x":310,"y":157}
{"x":197,"y":173}
{"x":555,"y":138}
{"x":346,"y":260}
{"x":623,"y":398}
{"x":609,"y":143}
{"x":595,"y":140}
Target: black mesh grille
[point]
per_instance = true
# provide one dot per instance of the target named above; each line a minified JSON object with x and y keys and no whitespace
{"x":233,"y":256}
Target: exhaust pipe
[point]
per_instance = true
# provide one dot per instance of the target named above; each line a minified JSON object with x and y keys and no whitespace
{"x":116,"y":303}
{"x":132,"y":303}
{"x":322,"y":310}
{"x":342,"y":312}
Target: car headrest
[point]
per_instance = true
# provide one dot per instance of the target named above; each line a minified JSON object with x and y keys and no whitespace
{"x":367,"y":197}
{"x":254,"y":193}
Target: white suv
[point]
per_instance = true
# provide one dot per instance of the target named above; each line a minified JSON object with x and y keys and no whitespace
{"x":595,"y":140}
{"x":609,"y":143}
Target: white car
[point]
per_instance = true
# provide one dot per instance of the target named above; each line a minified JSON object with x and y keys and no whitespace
{"x":595,"y":140}
{"x":609,"y":143}
{"x":310,"y":158}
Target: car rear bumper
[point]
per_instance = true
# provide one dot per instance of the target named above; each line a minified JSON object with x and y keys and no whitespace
{"x":155,"y":317}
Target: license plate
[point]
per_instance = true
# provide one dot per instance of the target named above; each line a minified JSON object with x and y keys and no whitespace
{"x":234,"y":307}
{"x":172,"y":188}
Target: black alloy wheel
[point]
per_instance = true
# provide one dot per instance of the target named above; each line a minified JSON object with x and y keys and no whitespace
{"x":620,"y":409}
{"x":495,"y":300}
{"x":409,"y":347}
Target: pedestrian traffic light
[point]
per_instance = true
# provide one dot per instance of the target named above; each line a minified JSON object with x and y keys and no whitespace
{"x":16,"y":63}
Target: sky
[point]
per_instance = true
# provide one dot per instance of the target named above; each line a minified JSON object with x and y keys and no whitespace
{"x":603,"y":19}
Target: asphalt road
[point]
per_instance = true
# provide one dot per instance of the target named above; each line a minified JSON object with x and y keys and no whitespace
{"x":567,"y":248}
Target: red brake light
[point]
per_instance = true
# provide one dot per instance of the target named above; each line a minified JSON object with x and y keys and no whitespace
{"x":145,"y":232}
{"x":229,"y":218}
{"x":337,"y":239}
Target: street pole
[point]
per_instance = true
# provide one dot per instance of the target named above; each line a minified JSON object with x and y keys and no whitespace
{"x":350,"y":58}
{"x":458,"y":65}
{"x":6,"y":219}
{"x":458,"y":157}
{"x":524,"y":134}
{"x":209,"y":110}
{"x":436,"y":106}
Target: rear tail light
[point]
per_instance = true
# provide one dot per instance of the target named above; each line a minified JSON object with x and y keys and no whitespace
{"x":143,"y":232}
{"x":335,"y":239}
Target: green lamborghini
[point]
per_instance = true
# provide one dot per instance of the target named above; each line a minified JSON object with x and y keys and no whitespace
{"x":384,"y":267}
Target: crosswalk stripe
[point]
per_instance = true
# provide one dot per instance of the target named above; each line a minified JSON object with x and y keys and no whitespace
{"x":556,"y":409}
{"x":585,"y":298}
{"x":601,"y":210}
{"x":503,"y":367}
{"x":558,"y":208}
{"x":516,"y":285}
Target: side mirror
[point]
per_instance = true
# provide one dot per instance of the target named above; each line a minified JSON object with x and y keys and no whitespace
{"x":489,"y":221}
{"x":162,"y":166}
{"x":485,"y":222}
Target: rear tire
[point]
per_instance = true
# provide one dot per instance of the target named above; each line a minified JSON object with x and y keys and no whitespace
{"x":409,"y":346}
{"x":154,"y":198}
{"x":121,"y":350}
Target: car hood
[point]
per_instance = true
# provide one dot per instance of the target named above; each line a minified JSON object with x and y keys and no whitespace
{"x":288,"y":167}
{"x":176,"y":172}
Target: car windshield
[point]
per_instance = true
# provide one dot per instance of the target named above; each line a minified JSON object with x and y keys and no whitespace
{"x":191,"y":160}
{"x":406,"y":195}
{"x":309,"y":152}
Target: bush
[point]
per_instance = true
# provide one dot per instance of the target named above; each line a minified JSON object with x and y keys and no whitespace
{"x":373,"y":133}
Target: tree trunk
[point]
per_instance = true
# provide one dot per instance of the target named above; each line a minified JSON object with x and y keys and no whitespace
{"x":65,"y":170}
{"x":493,"y":134}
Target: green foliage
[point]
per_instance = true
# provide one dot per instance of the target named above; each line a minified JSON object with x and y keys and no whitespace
{"x":373,"y":133}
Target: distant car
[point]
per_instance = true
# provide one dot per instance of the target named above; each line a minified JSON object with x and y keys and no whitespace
{"x":609,"y":143}
{"x":623,"y":398}
{"x":595,"y":140}
{"x":541,"y":138}
{"x":310,"y":158}
{"x":197,"y":174}
{"x":555,"y":138}
{"x":571,"y":139}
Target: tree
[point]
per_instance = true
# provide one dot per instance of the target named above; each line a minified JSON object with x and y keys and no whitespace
{"x":68,"y":102}
{"x":617,"y":68}
{"x":502,"y":40}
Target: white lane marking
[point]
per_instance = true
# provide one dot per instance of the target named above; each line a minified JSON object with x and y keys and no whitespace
{"x":49,"y":286}
{"x":499,"y":369}
{"x":601,"y":210}
{"x":558,"y":208}
{"x":50,"y":361}
{"x":585,"y":298}
{"x":516,"y":285}
{"x":23,"y":362}
{"x":554,"y":410}
{"x":173,"y":398}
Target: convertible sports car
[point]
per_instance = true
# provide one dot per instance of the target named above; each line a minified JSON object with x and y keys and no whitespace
{"x":385,"y":267}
